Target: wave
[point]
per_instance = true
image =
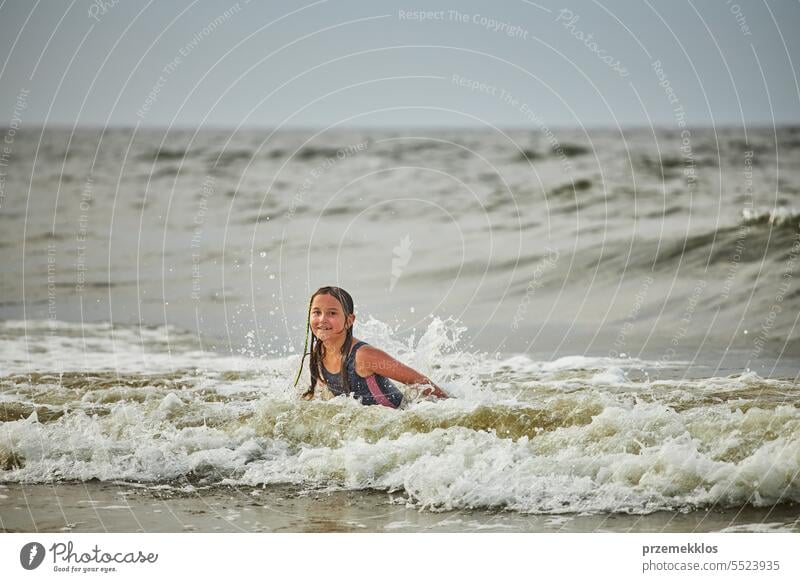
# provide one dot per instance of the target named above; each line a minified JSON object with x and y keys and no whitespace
{"x":527,"y":155}
{"x":227,"y":157}
{"x":585,"y":452}
{"x":404,"y":149}
{"x":577,"y":434}
{"x":571,"y":150}
{"x":671,"y":167}
{"x":311,"y":152}
{"x":782,"y":217}
{"x":563,"y":150}
{"x":165,"y":154}
{"x":572,"y":187}
{"x":759,"y":237}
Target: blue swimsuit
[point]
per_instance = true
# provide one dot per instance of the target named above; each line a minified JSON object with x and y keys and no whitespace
{"x":374,"y":389}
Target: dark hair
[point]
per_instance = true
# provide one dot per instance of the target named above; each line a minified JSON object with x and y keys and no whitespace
{"x":315,"y":352}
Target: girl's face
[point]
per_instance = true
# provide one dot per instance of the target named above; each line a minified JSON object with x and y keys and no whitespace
{"x":327,"y":318}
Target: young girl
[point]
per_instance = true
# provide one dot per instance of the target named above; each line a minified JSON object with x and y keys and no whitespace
{"x":345,"y":365}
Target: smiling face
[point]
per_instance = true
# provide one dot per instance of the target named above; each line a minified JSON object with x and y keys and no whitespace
{"x":327,"y":318}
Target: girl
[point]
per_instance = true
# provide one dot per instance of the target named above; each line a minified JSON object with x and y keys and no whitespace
{"x":345,"y":365}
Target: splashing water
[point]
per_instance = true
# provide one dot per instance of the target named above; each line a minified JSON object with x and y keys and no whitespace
{"x":578,"y":434}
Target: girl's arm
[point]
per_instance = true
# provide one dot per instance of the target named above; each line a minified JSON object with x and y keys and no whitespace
{"x":371,"y":360}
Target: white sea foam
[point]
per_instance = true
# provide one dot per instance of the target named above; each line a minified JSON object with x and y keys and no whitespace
{"x":573,"y":435}
{"x":780,"y":216}
{"x":57,"y":346}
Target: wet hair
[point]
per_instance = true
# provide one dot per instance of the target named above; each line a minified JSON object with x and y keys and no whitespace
{"x":346,"y":301}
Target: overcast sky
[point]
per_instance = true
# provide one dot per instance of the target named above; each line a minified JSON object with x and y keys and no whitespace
{"x":379,"y":63}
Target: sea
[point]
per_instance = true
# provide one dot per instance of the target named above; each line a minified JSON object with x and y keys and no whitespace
{"x":614,"y":311}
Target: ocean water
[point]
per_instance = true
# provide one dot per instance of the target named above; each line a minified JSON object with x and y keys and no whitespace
{"x":572,"y":435}
{"x":601,"y":242}
{"x":615,"y":313}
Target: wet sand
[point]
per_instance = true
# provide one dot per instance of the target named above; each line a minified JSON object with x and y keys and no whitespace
{"x":124,"y":507}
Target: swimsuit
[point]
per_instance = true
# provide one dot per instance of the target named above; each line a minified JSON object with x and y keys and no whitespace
{"x":374,"y":389}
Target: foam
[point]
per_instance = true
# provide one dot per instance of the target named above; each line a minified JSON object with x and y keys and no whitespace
{"x":568,"y":436}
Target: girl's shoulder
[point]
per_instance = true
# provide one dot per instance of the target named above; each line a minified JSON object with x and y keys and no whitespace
{"x":368,"y":359}
{"x":360,"y":347}
{"x":357,"y":346}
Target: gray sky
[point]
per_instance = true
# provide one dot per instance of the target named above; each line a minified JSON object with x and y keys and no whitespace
{"x":366,"y":64}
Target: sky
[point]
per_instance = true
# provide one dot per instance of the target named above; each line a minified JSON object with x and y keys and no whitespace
{"x":422,"y":63}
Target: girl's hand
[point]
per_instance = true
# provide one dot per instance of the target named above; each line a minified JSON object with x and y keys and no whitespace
{"x":434,"y":391}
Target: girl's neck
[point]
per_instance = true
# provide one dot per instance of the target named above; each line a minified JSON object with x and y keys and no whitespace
{"x":333,"y":347}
